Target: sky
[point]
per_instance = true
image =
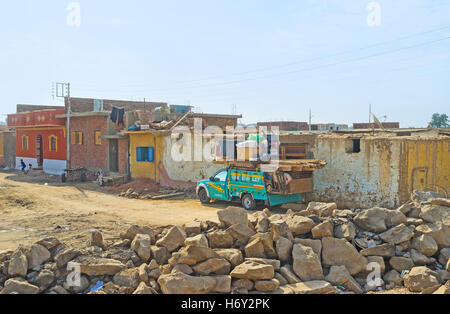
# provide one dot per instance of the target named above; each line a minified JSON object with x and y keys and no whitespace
{"x":267,"y":60}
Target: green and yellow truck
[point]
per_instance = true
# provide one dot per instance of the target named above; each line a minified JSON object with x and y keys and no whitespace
{"x":247,"y":186}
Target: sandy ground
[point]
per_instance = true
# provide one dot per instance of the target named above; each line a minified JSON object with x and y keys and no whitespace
{"x":31,"y":210}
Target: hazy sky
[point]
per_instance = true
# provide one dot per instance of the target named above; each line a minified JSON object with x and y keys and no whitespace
{"x":273,"y":59}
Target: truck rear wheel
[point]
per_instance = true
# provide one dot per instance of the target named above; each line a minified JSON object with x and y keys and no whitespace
{"x":203,"y":196}
{"x":248,"y":202}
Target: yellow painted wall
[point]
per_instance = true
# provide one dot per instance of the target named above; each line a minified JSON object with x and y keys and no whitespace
{"x":146,"y":169}
{"x":428,"y":165}
{"x":1,"y":145}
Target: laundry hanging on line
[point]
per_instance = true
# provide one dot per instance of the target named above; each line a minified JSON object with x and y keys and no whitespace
{"x":117,"y":115}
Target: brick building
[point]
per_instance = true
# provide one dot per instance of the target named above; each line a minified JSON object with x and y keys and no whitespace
{"x":79,"y":105}
{"x":285,"y":125}
{"x":95,"y":143}
{"x":386,"y":125}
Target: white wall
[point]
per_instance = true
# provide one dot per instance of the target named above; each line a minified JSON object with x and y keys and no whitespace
{"x":187,"y":171}
{"x":56,"y":167}
{"x":358,"y":180}
{"x":50,"y":166}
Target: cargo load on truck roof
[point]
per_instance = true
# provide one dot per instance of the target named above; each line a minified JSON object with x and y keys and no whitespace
{"x":294,"y":165}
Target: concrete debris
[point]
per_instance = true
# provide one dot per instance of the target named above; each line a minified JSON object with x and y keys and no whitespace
{"x":321,"y":250}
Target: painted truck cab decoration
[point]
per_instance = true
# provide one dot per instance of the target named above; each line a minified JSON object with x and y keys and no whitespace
{"x":249,"y":187}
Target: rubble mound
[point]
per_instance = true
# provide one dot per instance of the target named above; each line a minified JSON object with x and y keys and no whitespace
{"x":320,"y":250}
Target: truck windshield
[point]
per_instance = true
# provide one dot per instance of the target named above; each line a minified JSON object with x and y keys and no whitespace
{"x":221,"y":176}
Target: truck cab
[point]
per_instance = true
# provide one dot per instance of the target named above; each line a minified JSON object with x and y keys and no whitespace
{"x":248,"y":187}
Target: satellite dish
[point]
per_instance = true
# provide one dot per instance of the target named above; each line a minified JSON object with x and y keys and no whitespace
{"x":378,"y":123}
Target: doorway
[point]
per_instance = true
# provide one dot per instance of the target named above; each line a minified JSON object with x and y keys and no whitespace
{"x":39,"y":150}
{"x":114,"y":155}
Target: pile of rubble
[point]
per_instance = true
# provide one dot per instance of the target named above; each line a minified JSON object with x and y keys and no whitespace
{"x":162,"y":194}
{"x":320,"y":250}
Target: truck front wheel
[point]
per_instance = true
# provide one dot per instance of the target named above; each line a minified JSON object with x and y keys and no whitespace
{"x":203,"y":196}
{"x":248,"y":202}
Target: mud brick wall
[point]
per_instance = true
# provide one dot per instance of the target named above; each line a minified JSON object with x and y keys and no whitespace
{"x":89,"y":154}
{"x":87,"y":105}
{"x":286,"y":125}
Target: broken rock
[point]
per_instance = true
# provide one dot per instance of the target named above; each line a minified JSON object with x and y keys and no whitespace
{"x":220,"y":239}
{"x":307,"y":264}
{"x":284,"y":249}
{"x":37,"y":255}
{"x":174,"y":238}
{"x":435,"y":213}
{"x":218,"y":266}
{"x":299,"y":225}
{"x":131,"y":233}
{"x":288,"y":273}
{"x":96,"y":239}
{"x":267,"y":285}
{"x":233,"y":256}
{"x":345,"y":231}
{"x":385,"y":250}
{"x":144,"y":289}
{"x":233,"y":216}
{"x":312,"y":287}
{"x":253,"y":271}
{"x":373,"y":219}
{"x":99,"y":266}
{"x":180,"y":283}
{"x":420,"y":278}
{"x":438,"y":231}
{"x":198,"y":240}
{"x":20,"y":286}
{"x":18,"y":264}
{"x":65,"y":256}
{"x":398,"y":234}
{"x":425,"y":244}
{"x":323,"y":230}
{"x":192,"y":255}
{"x":321,"y":209}
{"x":336,"y":252}
{"x":141,"y":245}
{"x":338,"y":275}
{"x":401,"y":263}
{"x":127,"y":278}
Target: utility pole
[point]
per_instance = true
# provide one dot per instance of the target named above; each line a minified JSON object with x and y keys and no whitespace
{"x":64,"y":88}
{"x":310,"y":120}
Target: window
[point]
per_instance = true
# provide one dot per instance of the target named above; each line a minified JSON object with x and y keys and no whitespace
{"x":144,"y":154}
{"x":25,"y":142}
{"x":221,"y":176}
{"x":97,"y":139}
{"x":77,"y":138}
{"x":53,"y":143}
{"x":354,"y":146}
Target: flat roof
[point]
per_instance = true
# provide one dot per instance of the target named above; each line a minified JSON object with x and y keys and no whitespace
{"x":84,"y":114}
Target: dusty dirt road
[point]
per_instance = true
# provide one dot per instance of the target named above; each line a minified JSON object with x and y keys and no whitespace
{"x":30,"y":211}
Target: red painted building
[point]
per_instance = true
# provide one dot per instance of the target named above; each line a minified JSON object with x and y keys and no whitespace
{"x":40,"y":139}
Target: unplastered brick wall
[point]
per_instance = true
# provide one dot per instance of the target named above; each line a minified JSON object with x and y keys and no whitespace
{"x":88,"y":154}
{"x":87,"y":105}
{"x":30,"y":108}
{"x":213,"y":121}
